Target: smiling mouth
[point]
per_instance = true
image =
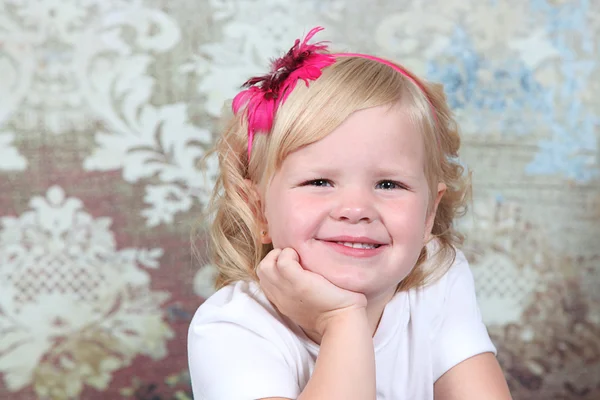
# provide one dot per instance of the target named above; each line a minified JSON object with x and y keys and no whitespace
{"x":355,"y":249}
{"x":359,"y":245}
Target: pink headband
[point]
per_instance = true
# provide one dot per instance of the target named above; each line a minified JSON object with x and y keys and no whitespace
{"x":302,"y":62}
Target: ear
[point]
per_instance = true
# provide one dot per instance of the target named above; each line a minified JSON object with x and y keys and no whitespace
{"x":441,"y":189}
{"x":256,"y":204}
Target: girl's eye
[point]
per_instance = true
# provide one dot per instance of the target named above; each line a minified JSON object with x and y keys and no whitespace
{"x":390,"y":185}
{"x":318,"y":183}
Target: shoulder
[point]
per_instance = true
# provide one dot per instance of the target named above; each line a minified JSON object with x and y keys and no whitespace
{"x":437,"y":296}
{"x":458,"y":276}
{"x":456,"y":328}
{"x":241,"y":305}
{"x":233,"y":301}
{"x":236,"y":335}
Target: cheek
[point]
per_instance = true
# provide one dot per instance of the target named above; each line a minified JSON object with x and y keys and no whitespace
{"x":292,"y":220}
{"x":412,"y":210}
{"x":407,"y":220}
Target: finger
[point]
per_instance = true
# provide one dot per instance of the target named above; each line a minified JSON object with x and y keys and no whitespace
{"x":288,"y":265}
{"x":267,"y":264}
{"x":289,"y":253}
{"x":269,"y":278}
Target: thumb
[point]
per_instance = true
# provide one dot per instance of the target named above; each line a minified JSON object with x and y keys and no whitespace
{"x":289,"y":254}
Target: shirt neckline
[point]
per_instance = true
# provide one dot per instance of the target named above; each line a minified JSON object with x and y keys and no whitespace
{"x":395,"y":317}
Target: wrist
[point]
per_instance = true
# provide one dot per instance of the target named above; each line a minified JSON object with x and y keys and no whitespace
{"x":340,"y":320}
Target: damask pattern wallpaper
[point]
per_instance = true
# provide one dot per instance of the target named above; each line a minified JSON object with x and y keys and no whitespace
{"x":106,"y":107}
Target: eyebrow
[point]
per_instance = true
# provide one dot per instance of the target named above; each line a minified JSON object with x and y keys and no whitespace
{"x":386,"y":170}
{"x":380,"y":172}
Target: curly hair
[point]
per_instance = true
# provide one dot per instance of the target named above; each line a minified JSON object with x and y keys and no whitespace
{"x":309,"y":114}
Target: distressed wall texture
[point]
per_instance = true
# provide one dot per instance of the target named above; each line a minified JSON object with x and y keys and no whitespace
{"x":106,"y":106}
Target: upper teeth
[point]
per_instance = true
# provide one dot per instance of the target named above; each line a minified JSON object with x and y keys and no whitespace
{"x":359,"y":245}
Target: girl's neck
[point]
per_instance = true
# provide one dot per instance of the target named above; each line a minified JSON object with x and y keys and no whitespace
{"x":375,"y":307}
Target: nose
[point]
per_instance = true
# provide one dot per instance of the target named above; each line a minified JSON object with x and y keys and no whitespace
{"x":354,"y":206}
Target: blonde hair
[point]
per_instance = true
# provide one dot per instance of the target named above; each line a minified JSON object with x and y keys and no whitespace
{"x":308,"y":115}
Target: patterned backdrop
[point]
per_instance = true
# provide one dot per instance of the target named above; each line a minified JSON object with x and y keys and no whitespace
{"x":106,"y":107}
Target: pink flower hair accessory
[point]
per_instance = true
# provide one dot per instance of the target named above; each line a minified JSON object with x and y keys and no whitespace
{"x":266,"y":93}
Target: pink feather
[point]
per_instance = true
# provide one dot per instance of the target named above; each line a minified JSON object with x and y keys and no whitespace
{"x":266,"y":93}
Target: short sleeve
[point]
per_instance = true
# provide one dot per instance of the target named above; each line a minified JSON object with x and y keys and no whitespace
{"x":460,"y":332}
{"x":229,"y":361}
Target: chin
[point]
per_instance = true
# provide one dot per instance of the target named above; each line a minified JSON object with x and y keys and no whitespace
{"x":355,"y":282}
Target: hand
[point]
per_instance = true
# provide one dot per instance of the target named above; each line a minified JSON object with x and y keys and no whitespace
{"x":307,"y":298}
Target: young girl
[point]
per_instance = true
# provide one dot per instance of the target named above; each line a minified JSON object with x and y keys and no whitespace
{"x":333,"y":235}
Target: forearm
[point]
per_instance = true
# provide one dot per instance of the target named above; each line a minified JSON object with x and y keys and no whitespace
{"x":345,"y":367}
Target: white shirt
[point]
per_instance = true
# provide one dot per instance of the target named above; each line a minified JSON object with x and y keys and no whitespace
{"x":241,"y":348}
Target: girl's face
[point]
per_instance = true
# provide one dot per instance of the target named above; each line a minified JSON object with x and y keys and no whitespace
{"x":354,"y":204}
